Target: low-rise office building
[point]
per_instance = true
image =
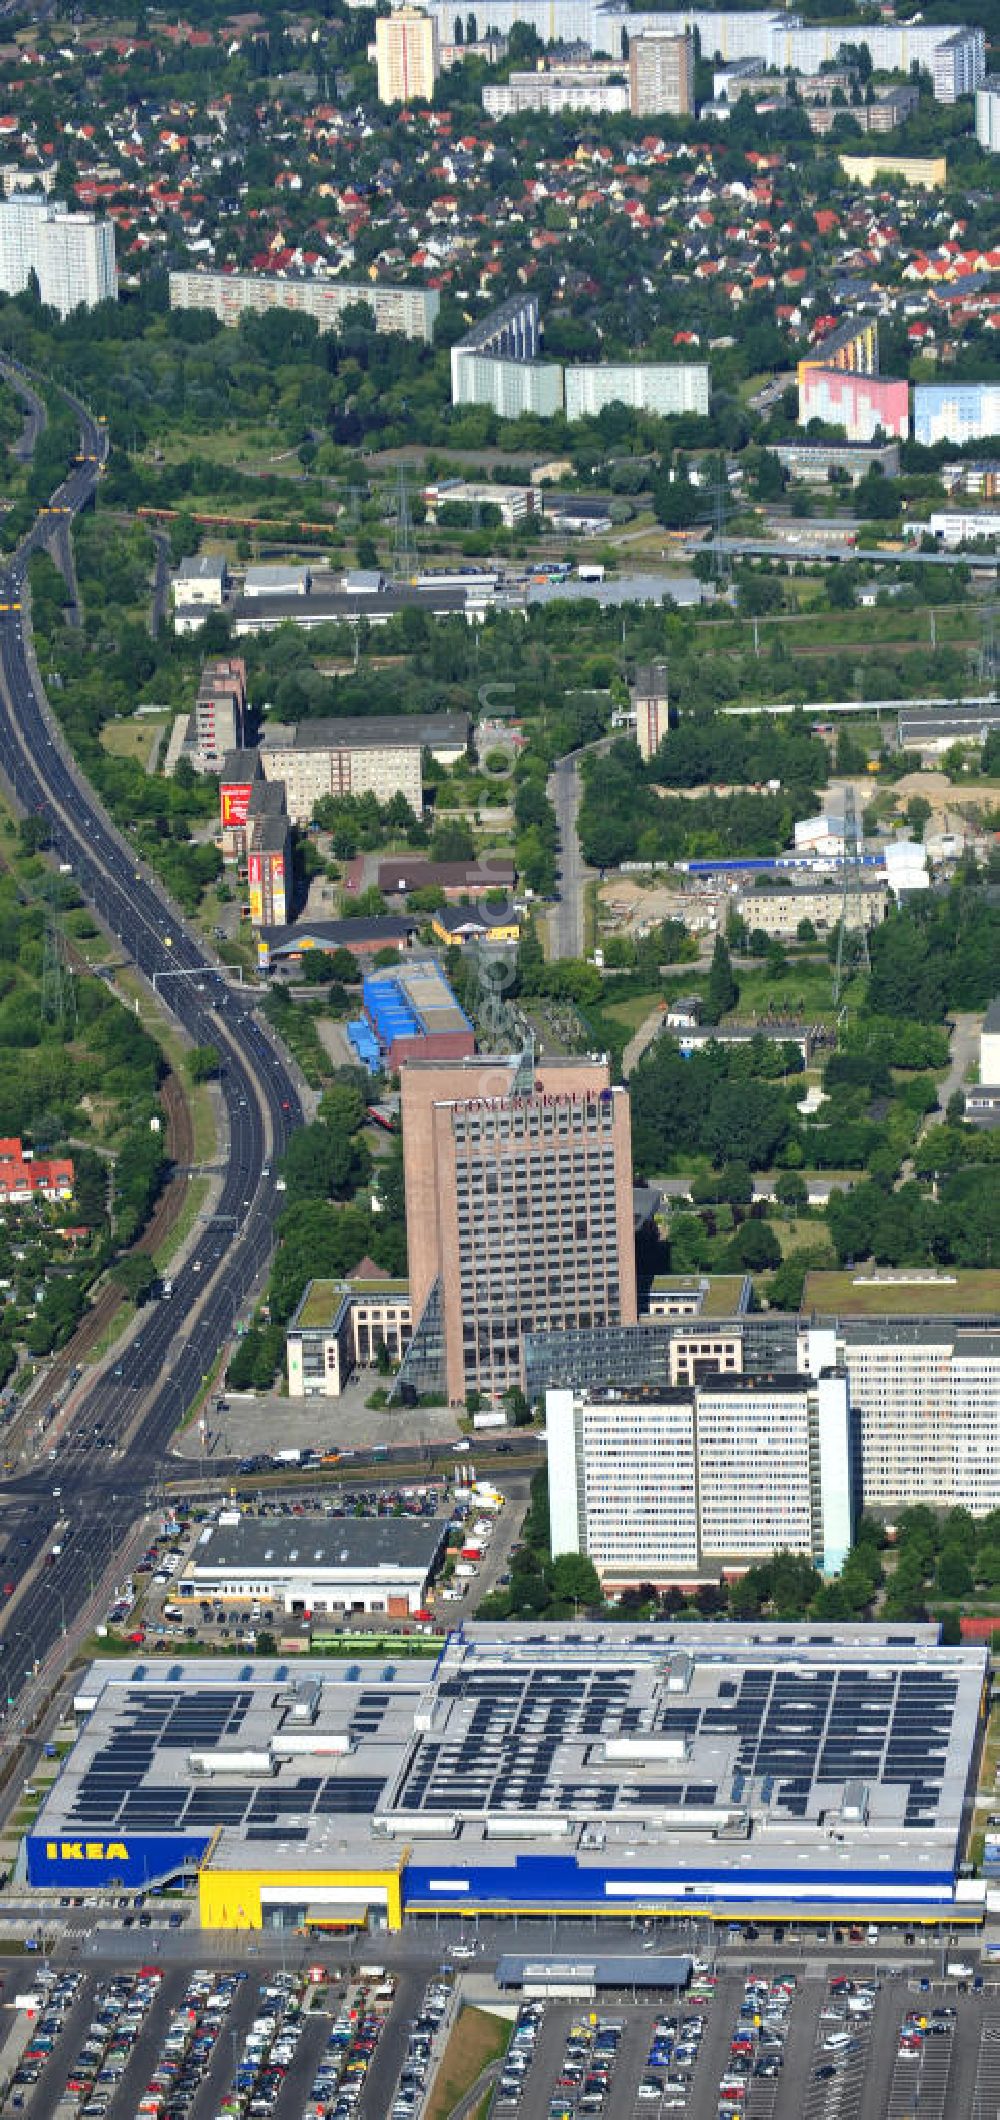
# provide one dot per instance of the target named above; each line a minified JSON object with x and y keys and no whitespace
{"x":701,"y":1480}
{"x":200,"y":584}
{"x":271,"y":580}
{"x":498,"y":926}
{"x":513,"y":504}
{"x":341,"y":1326}
{"x":304,"y":1566}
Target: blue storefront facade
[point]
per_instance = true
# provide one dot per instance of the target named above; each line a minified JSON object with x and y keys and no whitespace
{"x":129,"y":1860}
{"x":556,"y":1884}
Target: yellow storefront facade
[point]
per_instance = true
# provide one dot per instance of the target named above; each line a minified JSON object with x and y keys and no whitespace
{"x":250,"y":1898}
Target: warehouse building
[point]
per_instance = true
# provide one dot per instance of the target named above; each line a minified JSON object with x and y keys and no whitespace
{"x":561,"y":1769}
{"x":930,"y":733}
{"x":309,"y":1565}
{"x":414,"y":1015}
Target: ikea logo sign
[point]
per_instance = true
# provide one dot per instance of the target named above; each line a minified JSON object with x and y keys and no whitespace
{"x":86,"y":1851}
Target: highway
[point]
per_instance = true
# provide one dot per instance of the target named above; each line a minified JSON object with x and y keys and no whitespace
{"x":137,"y":1402}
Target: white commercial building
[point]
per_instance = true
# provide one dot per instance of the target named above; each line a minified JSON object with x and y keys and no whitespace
{"x":988,"y":114}
{"x":906,"y":866}
{"x":925,"y":1394}
{"x":341,"y":1326}
{"x":72,"y":255}
{"x":202,"y":579}
{"x":820,"y":835}
{"x":662,"y":387}
{"x":696,"y":1480}
{"x":410,"y":311}
{"x":970,"y":526}
{"x":298,"y":1565}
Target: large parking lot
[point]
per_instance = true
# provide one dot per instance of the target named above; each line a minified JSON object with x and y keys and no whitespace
{"x":770,"y":2043}
{"x":177,"y":2045}
{"x":766,"y":2041}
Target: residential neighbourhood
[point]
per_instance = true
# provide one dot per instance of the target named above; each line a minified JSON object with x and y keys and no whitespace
{"x":260,"y":173}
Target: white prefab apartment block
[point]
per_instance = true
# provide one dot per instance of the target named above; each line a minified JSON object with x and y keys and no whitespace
{"x":324,"y":757}
{"x":662,"y":387}
{"x":988,"y":114}
{"x":72,"y":255}
{"x":953,"y":54}
{"x":411,"y":311}
{"x":693,"y":1481}
{"x":556,"y":88}
{"x":989,"y":1045}
{"x":407,"y":56}
{"x":509,"y":386}
{"x":661,"y":75}
{"x":925,"y":1397}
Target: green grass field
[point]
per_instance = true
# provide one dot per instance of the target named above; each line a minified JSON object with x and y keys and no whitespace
{"x":135,"y":738}
{"x":477,"y":2039}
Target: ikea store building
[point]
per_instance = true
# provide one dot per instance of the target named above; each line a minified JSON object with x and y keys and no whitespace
{"x":726,"y":1771}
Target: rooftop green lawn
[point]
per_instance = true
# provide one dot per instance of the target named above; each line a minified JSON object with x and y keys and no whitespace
{"x":322,"y":1299}
{"x":320,"y":1303}
{"x":904,"y":1292}
{"x":721,"y":1291}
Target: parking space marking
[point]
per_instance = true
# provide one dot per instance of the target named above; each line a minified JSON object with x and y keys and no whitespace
{"x":986,"y":2093}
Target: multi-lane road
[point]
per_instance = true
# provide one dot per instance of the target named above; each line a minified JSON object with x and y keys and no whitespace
{"x":137,"y":1403}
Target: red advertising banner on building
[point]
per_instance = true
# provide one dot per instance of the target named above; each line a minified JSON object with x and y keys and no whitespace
{"x":234,"y":797}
